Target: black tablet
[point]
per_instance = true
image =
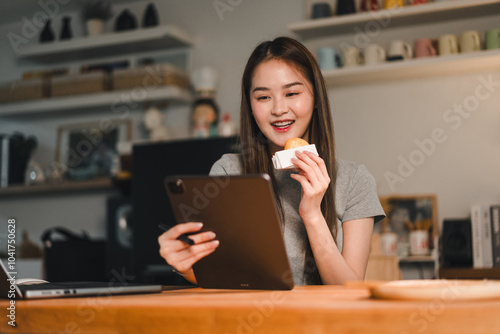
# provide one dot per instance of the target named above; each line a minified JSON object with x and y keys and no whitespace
{"x":241,"y":210}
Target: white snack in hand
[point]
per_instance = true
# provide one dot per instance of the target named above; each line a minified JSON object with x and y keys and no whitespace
{"x":283,"y":159}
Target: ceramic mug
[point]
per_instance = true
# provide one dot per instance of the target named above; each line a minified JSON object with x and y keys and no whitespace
{"x":352,"y":56}
{"x":400,"y":50}
{"x":448,"y":45}
{"x":370,"y":5}
{"x":374,"y":54}
{"x":388,"y":4}
{"x":470,"y":41}
{"x":345,"y":7}
{"x":424,"y":48}
{"x":329,"y":58}
{"x":320,"y":10}
{"x":492,"y":39}
{"x":419,"y":242}
{"x":388,"y":243}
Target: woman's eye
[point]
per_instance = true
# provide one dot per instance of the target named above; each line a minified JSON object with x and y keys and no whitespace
{"x":292,"y":94}
{"x":261,"y":98}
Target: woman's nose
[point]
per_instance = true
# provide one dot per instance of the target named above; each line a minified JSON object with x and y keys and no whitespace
{"x":280,"y":107}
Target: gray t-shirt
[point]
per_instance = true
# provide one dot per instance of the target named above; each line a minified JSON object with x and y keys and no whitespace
{"x":356,"y":198}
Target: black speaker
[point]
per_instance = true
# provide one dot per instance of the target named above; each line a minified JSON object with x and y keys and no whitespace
{"x":151,"y":163}
{"x":456,"y":243}
{"x":119,"y":232}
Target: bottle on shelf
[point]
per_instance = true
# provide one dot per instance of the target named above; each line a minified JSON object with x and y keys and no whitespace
{"x":47,"y":34}
{"x":66,"y":28}
{"x":150,"y":18}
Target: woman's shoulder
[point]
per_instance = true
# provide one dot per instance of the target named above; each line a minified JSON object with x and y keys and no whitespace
{"x":347,"y":171}
{"x":229,"y":163}
{"x":348,"y":167}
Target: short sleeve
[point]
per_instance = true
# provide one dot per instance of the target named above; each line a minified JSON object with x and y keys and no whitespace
{"x":362,"y":200}
{"x":228,"y":164}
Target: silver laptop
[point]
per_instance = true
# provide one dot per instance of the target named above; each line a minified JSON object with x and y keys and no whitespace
{"x":9,"y":289}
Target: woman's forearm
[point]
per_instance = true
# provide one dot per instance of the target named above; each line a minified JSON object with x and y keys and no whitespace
{"x":332,"y":266}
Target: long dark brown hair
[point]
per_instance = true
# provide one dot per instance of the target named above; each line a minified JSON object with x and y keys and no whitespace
{"x":255,"y":149}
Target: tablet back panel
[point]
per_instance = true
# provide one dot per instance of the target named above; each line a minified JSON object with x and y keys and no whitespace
{"x":241,"y":210}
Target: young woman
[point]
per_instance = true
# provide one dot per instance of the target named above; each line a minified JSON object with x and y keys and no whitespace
{"x":328,"y":207}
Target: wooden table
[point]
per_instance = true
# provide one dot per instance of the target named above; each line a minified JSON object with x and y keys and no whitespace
{"x":305,"y":309}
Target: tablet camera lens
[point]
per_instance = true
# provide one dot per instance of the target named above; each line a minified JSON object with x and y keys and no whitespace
{"x":176,"y":187}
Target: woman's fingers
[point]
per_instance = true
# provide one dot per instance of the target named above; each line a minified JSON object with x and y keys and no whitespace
{"x":184,"y":259}
{"x":182,"y":255}
{"x":201,"y":237}
{"x":177,"y":230}
{"x":187,"y":264}
{"x":312,"y":166}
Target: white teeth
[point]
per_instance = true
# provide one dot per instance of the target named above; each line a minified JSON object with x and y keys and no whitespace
{"x":283,"y":124}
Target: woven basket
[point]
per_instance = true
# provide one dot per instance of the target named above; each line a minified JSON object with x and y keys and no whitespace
{"x":24,"y":90}
{"x":88,"y":83}
{"x":149,"y":77}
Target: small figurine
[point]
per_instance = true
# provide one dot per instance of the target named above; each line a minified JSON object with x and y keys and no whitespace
{"x":205,"y":114}
{"x":153,"y":120}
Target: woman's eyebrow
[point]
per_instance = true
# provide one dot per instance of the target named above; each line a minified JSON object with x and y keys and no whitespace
{"x":284,"y":86}
{"x":292,"y":84}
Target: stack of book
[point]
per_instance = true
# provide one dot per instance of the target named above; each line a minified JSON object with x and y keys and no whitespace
{"x":485,"y":224}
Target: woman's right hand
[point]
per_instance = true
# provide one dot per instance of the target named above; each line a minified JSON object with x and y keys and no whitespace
{"x":180,"y":254}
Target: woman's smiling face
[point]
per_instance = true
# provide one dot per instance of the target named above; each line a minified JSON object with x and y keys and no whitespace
{"x":282,"y":102}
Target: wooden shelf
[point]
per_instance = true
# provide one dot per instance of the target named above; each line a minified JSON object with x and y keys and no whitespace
{"x":113,"y":99}
{"x":417,"y":259}
{"x":393,"y":18}
{"x":470,"y":273}
{"x":486,"y":60}
{"x":108,"y":44}
{"x":64,"y":187}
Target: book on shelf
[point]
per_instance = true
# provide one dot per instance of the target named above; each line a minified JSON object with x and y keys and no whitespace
{"x":485,"y":229}
{"x":4,"y":160}
{"x":495,"y":233}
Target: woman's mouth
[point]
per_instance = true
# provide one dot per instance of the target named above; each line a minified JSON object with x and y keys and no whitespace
{"x":282,"y":126}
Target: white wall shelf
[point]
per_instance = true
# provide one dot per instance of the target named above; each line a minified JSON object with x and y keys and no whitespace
{"x":64,"y":187}
{"x":488,"y":60}
{"x":113,"y":99}
{"x":109,"y":44}
{"x":405,"y":16}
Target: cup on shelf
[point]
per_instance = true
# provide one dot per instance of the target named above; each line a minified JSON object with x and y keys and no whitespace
{"x":399,"y":50}
{"x":389,"y":4}
{"x":492,"y":38}
{"x":374,"y":54}
{"x":424,"y":48}
{"x":448,"y":45}
{"x":321,"y":10}
{"x":419,"y":242}
{"x":370,"y":5}
{"x":329,"y":58}
{"x":352,"y":56}
{"x":345,"y":7}
{"x":470,"y":41}
{"x":388,"y":243}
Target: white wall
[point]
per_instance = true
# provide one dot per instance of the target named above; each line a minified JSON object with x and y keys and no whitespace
{"x":374,"y":124}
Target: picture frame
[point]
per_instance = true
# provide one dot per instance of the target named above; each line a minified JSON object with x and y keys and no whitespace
{"x":406,"y":213}
{"x":89,"y":150}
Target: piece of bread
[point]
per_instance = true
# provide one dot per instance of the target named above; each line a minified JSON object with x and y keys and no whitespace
{"x":295,"y":142}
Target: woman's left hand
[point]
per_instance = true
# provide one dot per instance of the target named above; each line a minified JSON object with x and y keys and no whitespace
{"x":314,"y":179}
